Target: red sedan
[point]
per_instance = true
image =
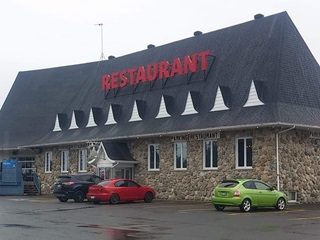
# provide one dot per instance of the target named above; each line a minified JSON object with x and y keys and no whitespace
{"x":119,"y":190}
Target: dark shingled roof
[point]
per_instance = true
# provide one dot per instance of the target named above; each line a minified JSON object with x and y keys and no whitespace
{"x":118,"y":151}
{"x":268,"y":52}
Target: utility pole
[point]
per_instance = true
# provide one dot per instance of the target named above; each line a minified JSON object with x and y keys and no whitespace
{"x":102,"y":54}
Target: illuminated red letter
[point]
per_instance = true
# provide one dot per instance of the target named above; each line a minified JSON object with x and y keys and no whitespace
{"x":190,"y":65}
{"x":141,"y":75}
{"x":131,"y":72}
{"x":203,"y":56}
{"x":123,"y":78}
{"x":150,"y":76}
{"x":176,"y":67}
{"x":114,"y":80}
{"x":106,"y":82}
{"x":164,"y":69}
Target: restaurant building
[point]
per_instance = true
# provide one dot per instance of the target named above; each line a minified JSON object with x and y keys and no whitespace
{"x":239,"y":102}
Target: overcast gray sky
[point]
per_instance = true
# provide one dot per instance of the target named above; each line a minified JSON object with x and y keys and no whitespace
{"x":37,"y":34}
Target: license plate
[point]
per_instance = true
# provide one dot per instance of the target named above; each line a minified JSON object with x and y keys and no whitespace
{"x":223,"y":194}
{"x":92,"y":197}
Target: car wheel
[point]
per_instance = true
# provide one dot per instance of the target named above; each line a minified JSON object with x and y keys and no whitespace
{"x":63,"y":199}
{"x":281,"y":204}
{"x":245,"y":205}
{"x":114,"y":199}
{"x":78,"y":196}
{"x":219,"y":207}
{"x":148,"y":197}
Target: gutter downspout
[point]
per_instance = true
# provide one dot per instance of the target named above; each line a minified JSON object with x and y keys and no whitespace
{"x":277,"y":153}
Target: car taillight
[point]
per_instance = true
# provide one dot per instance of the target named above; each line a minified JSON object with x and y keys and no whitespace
{"x":68,"y":183}
{"x":237,"y":193}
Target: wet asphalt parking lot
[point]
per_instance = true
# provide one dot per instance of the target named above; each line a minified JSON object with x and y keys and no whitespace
{"x":42,"y":217}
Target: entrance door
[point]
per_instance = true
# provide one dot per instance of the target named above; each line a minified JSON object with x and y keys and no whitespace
{"x":102,"y":173}
{"x":28,"y":165}
{"x":127,"y":172}
{"x":105,"y":173}
{"x":124,"y":173}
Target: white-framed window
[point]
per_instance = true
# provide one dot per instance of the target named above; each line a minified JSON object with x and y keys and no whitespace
{"x":210,"y":154}
{"x":292,"y":196}
{"x":244,"y":153}
{"x":48,"y":162}
{"x":153,"y":157}
{"x":83,"y":156}
{"x":180,"y":155}
{"x":64,"y":160}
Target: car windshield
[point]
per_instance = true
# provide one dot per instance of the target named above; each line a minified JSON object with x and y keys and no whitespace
{"x":228,"y":184}
{"x":104,"y":183}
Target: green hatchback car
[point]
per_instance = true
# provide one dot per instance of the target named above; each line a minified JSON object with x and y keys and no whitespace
{"x":247,"y":194}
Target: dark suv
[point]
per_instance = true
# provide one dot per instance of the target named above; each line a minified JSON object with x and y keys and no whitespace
{"x":74,"y":186}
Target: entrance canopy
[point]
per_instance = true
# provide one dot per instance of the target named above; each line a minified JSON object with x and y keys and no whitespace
{"x":110,"y":154}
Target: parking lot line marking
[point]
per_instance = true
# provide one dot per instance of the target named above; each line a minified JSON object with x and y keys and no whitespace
{"x":160,"y":207}
{"x":236,"y":214}
{"x":19,"y":199}
{"x":278,"y":212}
{"x":43,"y":200}
{"x":304,"y":218}
{"x":296,"y":210}
{"x":179,"y":205}
{"x":192,"y":210}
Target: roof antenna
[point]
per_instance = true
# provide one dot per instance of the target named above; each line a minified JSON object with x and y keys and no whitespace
{"x":102,"y":54}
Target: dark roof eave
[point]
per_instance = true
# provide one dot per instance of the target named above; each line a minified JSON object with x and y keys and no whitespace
{"x":11,"y":148}
{"x":224,"y":128}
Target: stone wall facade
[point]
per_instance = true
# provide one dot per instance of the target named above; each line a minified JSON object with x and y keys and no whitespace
{"x":300,"y":165}
{"x":299,"y":158}
{"x":48,"y":179}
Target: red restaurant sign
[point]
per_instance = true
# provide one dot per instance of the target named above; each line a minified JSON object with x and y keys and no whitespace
{"x":153,"y":71}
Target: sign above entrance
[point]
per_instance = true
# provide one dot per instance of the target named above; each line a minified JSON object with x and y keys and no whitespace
{"x":8,"y":163}
{"x":159,"y":70}
{"x":196,"y":136}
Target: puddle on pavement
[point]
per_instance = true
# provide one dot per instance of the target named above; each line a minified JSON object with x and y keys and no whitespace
{"x":17,"y":226}
{"x":90,"y":226}
{"x":127,"y":234}
{"x":39,"y":211}
{"x":130,"y":232}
